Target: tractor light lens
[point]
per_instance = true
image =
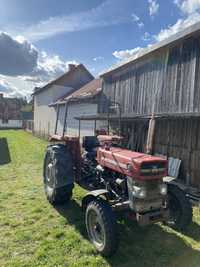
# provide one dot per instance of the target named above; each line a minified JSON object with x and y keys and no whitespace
{"x":163,"y":189}
{"x":129,"y":167}
{"x":139,"y":192}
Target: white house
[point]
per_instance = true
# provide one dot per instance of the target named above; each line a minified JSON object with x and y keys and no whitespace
{"x":44,"y":112}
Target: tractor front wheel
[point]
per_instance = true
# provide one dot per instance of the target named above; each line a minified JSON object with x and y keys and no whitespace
{"x":58,"y":174}
{"x":180,"y":209}
{"x":102,"y":227}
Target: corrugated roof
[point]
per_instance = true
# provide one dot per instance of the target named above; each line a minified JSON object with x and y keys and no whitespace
{"x":189,"y":31}
{"x":87,"y":91}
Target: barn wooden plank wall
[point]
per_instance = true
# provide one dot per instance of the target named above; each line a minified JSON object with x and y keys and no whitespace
{"x":178,"y":138}
{"x":164,"y":82}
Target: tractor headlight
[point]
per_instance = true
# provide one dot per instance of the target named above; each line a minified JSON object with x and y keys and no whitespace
{"x":139,"y":192}
{"x":163,"y":189}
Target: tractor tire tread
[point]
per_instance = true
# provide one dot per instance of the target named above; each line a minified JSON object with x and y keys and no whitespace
{"x":186,"y":207}
{"x":110,"y":225}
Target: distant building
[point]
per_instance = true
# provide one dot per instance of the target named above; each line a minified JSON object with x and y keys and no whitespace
{"x":44,"y":97}
{"x":10,"y":112}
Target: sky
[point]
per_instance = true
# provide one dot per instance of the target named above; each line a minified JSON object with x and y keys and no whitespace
{"x":38,"y":39}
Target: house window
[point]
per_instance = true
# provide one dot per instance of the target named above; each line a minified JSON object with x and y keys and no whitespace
{"x":4,"y":121}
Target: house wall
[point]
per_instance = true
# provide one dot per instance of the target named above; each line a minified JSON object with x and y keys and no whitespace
{"x":45,"y":116}
{"x":77,"y":109}
{"x":11,"y":124}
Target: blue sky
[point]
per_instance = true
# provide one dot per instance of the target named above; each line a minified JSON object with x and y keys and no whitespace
{"x":42,"y":37}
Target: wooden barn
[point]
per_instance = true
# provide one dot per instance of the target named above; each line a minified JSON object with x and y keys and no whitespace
{"x":160,"y":82}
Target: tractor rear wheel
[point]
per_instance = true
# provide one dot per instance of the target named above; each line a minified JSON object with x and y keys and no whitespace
{"x":58,"y":174}
{"x":179,"y":207}
{"x":102,"y":227}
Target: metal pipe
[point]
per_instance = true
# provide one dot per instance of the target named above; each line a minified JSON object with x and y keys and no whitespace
{"x":65,"y":118}
{"x":79,"y":129}
{"x":57,"y":116}
{"x":95,"y":127}
{"x":120,"y":118}
{"x":108,"y":118}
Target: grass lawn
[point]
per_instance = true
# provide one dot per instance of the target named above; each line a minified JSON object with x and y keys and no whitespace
{"x":33,"y":233}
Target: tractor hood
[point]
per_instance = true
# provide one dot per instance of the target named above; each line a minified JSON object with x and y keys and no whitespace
{"x":130,"y":163}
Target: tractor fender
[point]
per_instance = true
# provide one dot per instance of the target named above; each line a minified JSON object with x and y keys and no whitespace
{"x":172,"y":181}
{"x":95,"y":194}
{"x":168,"y":179}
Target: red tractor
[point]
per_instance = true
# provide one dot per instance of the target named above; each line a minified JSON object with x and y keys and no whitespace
{"x":118,"y":180}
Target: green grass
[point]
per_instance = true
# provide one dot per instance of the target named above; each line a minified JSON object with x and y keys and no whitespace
{"x":33,"y":233}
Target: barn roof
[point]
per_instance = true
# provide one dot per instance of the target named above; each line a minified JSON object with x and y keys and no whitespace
{"x":184,"y":34}
{"x":87,"y":91}
{"x":66,"y":75}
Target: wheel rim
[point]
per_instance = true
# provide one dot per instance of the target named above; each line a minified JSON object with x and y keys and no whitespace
{"x":48,"y":176}
{"x":174,"y":210}
{"x":96,"y":229}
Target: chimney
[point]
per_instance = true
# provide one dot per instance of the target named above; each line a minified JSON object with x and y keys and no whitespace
{"x":71,"y":66}
{"x":1,"y":96}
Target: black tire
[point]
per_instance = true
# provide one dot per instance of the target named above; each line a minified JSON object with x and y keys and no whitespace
{"x":60,"y":161}
{"x":180,"y":209}
{"x":103,"y":231}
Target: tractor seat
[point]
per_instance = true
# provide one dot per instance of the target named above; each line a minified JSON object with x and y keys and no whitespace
{"x":90,"y":143}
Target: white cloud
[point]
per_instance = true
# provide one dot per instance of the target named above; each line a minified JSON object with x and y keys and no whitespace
{"x":137,"y":20}
{"x":23,"y":66}
{"x":49,"y":67}
{"x":153,"y":7}
{"x":8,"y":89}
{"x":124,"y":54}
{"x":188,"y":6}
{"x":98,"y":58}
{"x":4,"y":86}
{"x":107,"y":13}
{"x":146,"y":36}
{"x":180,"y":25}
{"x":140,"y":24}
{"x":135,"y":17}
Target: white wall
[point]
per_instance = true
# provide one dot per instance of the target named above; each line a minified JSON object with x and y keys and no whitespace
{"x":11,"y":124}
{"x":79,"y":109}
{"x":76,"y":110}
{"x":45,"y":116}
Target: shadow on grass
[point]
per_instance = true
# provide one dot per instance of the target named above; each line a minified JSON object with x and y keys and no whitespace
{"x":193,"y":232}
{"x":4,"y":152}
{"x":150,"y":246}
{"x":74,"y":215}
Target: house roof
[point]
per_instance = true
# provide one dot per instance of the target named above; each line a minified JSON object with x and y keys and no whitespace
{"x":186,"y":33}
{"x":66,"y":75}
{"x":87,"y":91}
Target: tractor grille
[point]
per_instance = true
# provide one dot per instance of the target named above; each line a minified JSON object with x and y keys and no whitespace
{"x":152,"y":188}
{"x":153,"y":168}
